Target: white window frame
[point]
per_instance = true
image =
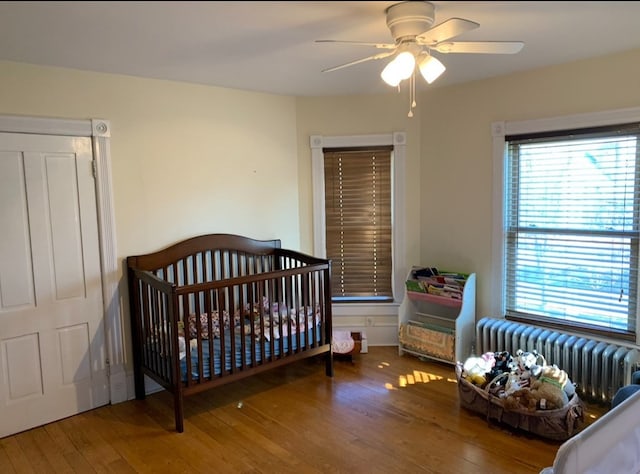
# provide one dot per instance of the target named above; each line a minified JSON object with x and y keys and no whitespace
{"x":499,"y":131}
{"x":398,"y":141}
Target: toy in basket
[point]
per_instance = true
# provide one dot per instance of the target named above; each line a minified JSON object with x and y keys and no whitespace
{"x":523,"y":392}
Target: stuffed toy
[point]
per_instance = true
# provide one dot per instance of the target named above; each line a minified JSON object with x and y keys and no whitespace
{"x":503,"y":363}
{"x":549,"y":395}
{"x":516,"y":381}
{"x":549,"y":388}
{"x":527,"y":361}
{"x":555,"y":374}
{"x":552,"y":372}
{"x":540,"y":395}
{"x":523,"y":368}
{"x":561,"y":377}
{"x":475,"y":368}
{"x":521,"y":399}
{"x":536,"y":387}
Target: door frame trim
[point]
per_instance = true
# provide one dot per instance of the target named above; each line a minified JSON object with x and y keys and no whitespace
{"x":99,"y":131}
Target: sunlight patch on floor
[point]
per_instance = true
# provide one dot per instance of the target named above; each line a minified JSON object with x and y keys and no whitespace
{"x":413,"y":378}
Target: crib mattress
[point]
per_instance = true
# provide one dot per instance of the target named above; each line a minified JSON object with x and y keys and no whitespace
{"x":253,"y":354}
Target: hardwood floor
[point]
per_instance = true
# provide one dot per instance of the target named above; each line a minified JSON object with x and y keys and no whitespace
{"x":382,"y":414}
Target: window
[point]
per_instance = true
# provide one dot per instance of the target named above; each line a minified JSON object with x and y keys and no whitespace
{"x":358,"y":222}
{"x":334,"y":158}
{"x":570,"y":228}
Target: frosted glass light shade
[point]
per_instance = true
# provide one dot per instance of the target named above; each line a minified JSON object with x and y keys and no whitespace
{"x":399,"y":69}
{"x":430,"y":68}
{"x":389,"y":77}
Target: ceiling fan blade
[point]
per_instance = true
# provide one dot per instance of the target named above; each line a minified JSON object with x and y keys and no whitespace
{"x":361,"y":43}
{"x":482,"y":47}
{"x":446,"y":30}
{"x":358,"y":61}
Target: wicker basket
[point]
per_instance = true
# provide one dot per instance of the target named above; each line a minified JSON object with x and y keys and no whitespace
{"x":559,"y":424}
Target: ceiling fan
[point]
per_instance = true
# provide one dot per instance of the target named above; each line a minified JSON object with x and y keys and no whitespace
{"x":415,"y":38}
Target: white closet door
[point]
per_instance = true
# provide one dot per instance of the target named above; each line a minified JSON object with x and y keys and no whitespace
{"x":52,"y":344}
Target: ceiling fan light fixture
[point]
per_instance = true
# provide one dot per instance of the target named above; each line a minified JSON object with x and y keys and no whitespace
{"x":414,"y":38}
{"x":399,"y":69}
{"x":430,"y":68}
{"x":388,"y":76}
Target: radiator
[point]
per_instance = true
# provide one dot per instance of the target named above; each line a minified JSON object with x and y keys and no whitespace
{"x":598,"y":368}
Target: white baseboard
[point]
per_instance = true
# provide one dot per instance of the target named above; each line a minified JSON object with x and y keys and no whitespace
{"x":376,"y":330}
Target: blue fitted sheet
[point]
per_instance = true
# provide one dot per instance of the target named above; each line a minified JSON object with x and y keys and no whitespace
{"x":238,"y":350}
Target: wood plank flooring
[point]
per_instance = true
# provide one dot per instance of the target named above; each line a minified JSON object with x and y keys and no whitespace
{"x":380,"y":414}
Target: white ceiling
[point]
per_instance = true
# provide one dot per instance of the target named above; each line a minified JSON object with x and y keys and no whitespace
{"x":270,"y":46}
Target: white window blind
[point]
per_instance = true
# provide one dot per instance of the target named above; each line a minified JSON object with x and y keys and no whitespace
{"x":572,"y":215}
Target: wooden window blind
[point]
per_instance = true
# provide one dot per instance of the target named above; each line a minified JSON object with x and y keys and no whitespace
{"x":358,"y":222}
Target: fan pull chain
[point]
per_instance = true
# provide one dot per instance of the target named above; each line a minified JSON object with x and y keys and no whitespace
{"x":413,"y":78}
{"x":412,"y":93}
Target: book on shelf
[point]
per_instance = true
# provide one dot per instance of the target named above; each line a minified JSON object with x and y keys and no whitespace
{"x":430,"y":280}
{"x":415,"y":286}
{"x":448,"y":291}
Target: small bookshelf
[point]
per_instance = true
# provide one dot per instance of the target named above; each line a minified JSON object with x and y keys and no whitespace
{"x":437,"y":316}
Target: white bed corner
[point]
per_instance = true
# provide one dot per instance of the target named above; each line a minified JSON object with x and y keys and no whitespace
{"x":610,"y":445}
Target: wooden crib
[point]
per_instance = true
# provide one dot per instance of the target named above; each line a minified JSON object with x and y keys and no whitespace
{"x":216,"y":308}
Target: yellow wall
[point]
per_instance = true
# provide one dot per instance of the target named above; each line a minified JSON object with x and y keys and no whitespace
{"x":358,"y":115}
{"x":214,"y":159}
{"x":449,"y":140}
{"x":186,"y":159}
{"x":457,"y":164}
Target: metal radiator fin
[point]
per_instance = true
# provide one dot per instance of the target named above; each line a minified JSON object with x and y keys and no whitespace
{"x":598,"y":368}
